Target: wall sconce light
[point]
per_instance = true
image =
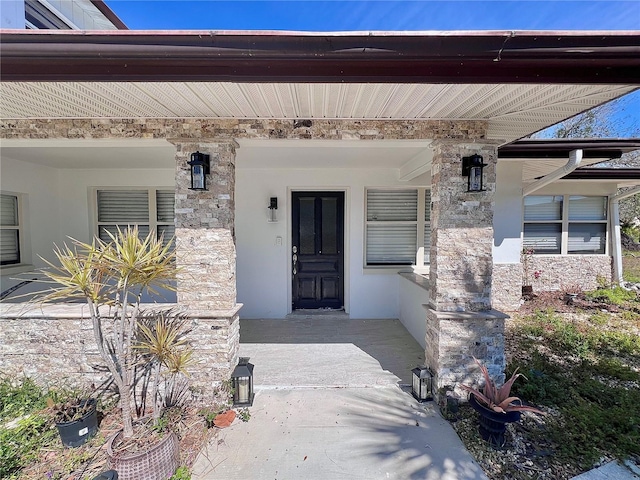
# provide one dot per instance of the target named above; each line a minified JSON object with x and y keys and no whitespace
{"x":472,"y":167}
{"x":199,"y":170}
{"x":421,"y":384}
{"x":273,"y":209}
{"x":242,"y":383}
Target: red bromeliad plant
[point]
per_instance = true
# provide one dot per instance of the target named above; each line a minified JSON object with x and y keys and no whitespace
{"x":499,"y":399}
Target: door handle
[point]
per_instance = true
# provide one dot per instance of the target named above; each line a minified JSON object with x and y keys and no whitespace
{"x":294,"y":259}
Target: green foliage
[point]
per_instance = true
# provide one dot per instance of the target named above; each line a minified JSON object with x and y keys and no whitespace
{"x":612,"y":295}
{"x":244,"y":414}
{"x":599,"y":410}
{"x":599,"y":318}
{"x":23,"y":429}
{"x":182,"y":473}
{"x":631,"y":231}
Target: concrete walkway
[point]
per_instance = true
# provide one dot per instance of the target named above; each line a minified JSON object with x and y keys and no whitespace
{"x":329,"y":405}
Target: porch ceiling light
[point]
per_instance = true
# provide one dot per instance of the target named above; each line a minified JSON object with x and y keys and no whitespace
{"x":199,"y":170}
{"x":421,"y":384}
{"x":472,"y":168}
{"x":242,"y":383}
{"x":273,"y":209}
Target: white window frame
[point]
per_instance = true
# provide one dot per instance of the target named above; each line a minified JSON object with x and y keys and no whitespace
{"x":564,"y":222}
{"x":153,"y":222}
{"x":20,"y":228}
{"x":420,"y":223}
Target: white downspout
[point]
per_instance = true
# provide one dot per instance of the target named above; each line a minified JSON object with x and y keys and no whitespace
{"x":575,"y":157}
{"x":616,"y":242}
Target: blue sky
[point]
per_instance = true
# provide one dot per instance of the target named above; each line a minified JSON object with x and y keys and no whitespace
{"x":378,"y":15}
{"x":340,"y":15}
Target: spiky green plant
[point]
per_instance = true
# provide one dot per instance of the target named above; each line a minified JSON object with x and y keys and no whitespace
{"x":162,"y":340}
{"x":111,"y":277}
{"x":498,"y":399}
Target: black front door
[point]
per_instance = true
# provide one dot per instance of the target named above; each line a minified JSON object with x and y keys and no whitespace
{"x":317,"y":252}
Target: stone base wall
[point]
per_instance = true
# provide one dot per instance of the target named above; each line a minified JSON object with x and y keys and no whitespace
{"x":506,"y":286}
{"x":55,"y":344}
{"x":565,"y":272}
{"x":454,"y":338}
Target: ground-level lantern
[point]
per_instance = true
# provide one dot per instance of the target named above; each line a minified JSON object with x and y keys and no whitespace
{"x":421,"y":383}
{"x":242,"y":383}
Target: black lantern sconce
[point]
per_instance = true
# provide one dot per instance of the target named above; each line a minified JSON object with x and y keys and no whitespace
{"x":242,"y":383}
{"x":421,"y":385}
{"x":199,"y":170}
{"x":273,"y":209}
{"x":472,"y":167}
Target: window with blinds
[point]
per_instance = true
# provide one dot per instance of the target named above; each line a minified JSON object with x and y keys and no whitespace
{"x":397,"y":227}
{"x":565,"y":224}
{"x":149,"y":210}
{"x":9,"y":230}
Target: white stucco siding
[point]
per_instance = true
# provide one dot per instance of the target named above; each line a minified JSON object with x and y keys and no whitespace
{"x":263,"y":267}
{"x":56,"y":204}
{"x":507,"y":216}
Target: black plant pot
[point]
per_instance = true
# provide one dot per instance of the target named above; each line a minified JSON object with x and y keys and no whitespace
{"x":77,"y":432}
{"x":493,"y":424}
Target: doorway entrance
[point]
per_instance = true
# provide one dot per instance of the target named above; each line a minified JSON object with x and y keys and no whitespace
{"x":317,"y":256}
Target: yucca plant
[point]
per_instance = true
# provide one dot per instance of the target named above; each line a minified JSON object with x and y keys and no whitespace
{"x":499,"y":399}
{"x":111,"y":277}
{"x":163,"y":345}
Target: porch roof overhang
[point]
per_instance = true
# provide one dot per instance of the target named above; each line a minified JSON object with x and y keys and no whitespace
{"x":544,"y":155}
{"x":518,"y":81}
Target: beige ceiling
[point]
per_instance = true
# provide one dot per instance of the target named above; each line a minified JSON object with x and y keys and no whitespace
{"x":512,"y":110}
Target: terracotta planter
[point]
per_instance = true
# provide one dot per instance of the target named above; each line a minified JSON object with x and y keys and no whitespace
{"x":157,"y":463}
{"x":493,"y":424}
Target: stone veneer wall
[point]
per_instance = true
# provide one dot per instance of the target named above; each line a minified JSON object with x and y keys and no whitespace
{"x":55,"y":342}
{"x":197,"y":128}
{"x":456,"y":337}
{"x":506,"y":286}
{"x":557,"y":272}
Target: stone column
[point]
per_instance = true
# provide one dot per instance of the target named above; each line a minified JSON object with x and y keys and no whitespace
{"x":206,"y":259}
{"x":460,"y":321}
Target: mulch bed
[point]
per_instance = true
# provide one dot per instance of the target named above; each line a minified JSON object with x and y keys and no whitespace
{"x":53,"y":462}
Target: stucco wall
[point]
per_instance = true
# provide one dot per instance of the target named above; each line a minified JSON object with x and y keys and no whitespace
{"x":263,"y":266}
{"x":413,"y":315}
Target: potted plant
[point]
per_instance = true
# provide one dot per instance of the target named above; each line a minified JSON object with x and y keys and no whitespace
{"x":111,"y":277}
{"x":76,"y":419}
{"x":496,"y":406}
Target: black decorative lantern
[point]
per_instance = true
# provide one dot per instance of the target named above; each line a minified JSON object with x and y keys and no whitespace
{"x":242,"y":383}
{"x":472,"y":168}
{"x":422,"y":379}
{"x":199,"y":170}
{"x":273,"y":209}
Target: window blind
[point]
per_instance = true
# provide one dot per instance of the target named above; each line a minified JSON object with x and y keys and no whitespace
{"x":587,"y":238}
{"x":542,"y":238}
{"x":587,"y":208}
{"x":391,"y":244}
{"x":392,"y":205}
{"x":9,"y":237}
{"x":165,"y":201}
{"x":123,"y":206}
{"x":540,"y":208}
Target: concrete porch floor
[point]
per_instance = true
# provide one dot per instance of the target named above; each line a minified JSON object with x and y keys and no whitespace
{"x":329,"y":406}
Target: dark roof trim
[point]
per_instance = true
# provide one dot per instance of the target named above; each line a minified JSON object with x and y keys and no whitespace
{"x":381,"y":57}
{"x":109,"y":14}
{"x":621,"y":174}
{"x":608,"y":148}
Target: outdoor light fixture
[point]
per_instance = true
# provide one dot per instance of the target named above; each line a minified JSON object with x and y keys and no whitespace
{"x":242,"y":383}
{"x":273,"y":209}
{"x":421,"y":384}
{"x":472,"y":167}
{"x":199,"y":170}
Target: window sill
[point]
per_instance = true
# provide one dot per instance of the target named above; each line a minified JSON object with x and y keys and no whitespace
{"x":18,"y":268}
